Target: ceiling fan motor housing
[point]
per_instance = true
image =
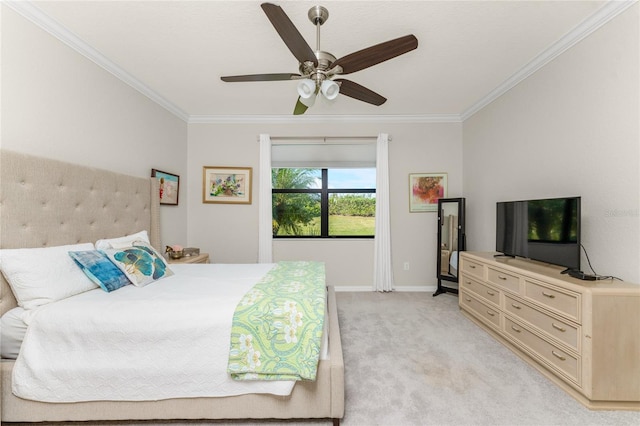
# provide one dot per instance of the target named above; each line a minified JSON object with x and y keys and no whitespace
{"x":318,"y":15}
{"x":319,"y":73}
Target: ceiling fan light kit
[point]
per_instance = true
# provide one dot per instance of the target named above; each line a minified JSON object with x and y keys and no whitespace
{"x":330,"y":89}
{"x":306,"y":88}
{"x":319,"y":70}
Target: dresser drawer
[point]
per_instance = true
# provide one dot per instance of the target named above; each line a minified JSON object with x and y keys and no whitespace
{"x":565,"y":302}
{"x":565,"y":363}
{"x":473,"y":268}
{"x":504,"y":280}
{"x":564,"y":331}
{"x":487,"y":314}
{"x":484,"y":291}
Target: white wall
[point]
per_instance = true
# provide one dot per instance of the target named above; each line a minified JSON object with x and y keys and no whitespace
{"x":58,"y":104}
{"x":229,"y":232}
{"x":569,"y":129}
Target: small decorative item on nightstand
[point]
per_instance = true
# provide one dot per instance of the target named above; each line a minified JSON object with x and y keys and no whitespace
{"x":175,"y":251}
{"x":191,"y":251}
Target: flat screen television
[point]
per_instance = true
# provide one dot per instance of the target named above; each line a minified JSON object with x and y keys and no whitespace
{"x":545,"y":230}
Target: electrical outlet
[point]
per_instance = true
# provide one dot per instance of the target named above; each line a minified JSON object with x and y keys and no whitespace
{"x":406,"y":266}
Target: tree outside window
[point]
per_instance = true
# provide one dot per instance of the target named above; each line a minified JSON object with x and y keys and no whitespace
{"x":323,"y":203}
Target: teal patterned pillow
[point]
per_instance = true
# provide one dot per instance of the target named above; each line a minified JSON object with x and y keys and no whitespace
{"x":141,"y":263}
{"x":97,"y":266}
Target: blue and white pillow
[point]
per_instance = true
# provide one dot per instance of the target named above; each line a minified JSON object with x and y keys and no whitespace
{"x":97,"y":266}
{"x":141,"y":263}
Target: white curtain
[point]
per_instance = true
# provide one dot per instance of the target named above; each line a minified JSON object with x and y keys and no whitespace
{"x":265,"y":228}
{"x":383,"y":272}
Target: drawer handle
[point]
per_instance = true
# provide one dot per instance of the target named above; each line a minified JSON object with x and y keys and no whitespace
{"x":502,"y":277}
{"x":468,"y":299}
{"x":560,"y":357}
{"x":549,"y":295}
{"x":516,"y":329}
{"x":516,"y":306}
{"x":490,"y":293}
{"x":491,"y":313}
{"x":472,"y":266}
{"x":557,"y":327}
{"x":468,"y":282}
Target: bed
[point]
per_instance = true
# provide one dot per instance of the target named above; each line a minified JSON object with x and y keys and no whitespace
{"x":45,"y":203}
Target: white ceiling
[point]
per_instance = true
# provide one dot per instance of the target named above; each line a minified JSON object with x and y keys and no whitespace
{"x":176,"y":51}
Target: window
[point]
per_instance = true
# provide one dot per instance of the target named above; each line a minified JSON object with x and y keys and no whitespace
{"x":324,"y":202}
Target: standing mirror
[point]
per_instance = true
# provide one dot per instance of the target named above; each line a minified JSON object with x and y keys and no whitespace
{"x":451,"y":241}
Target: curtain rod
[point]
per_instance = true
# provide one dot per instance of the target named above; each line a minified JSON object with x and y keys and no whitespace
{"x":321,"y":138}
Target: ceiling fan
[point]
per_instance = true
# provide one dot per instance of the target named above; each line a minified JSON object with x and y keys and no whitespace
{"x":320,"y":71}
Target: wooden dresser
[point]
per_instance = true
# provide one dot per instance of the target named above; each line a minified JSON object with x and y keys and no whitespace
{"x":582,"y":335}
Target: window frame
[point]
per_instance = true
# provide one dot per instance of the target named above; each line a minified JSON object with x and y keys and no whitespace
{"x":324,"y":192}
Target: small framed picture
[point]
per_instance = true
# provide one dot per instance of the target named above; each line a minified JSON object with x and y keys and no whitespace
{"x":226,"y":185}
{"x":169,"y":186}
{"x":425,"y":189}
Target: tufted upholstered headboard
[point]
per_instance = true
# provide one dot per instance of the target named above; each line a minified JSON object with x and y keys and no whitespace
{"x":46,"y":202}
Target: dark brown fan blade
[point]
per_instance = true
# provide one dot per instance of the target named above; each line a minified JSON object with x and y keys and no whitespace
{"x":289,"y":33}
{"x":375,"y":54}
{"x":361,"y":93}
{"x":259,"y":77}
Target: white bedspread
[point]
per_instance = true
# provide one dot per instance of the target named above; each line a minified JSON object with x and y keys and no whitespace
{"x":169,"y":339}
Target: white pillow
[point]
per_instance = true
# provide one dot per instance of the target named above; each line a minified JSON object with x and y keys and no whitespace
{"x":122,"y":242}
{"x":39,"y":276}
{"x":12,"y":331}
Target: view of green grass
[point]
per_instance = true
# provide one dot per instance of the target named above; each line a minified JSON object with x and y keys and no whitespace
{"x":351,"y":225}
{"x":341,"y":225}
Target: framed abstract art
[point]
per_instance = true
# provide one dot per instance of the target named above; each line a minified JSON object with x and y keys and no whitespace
{"x":425,"y":189}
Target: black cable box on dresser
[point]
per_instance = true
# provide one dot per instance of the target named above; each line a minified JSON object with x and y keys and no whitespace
{"x":581,"y":275}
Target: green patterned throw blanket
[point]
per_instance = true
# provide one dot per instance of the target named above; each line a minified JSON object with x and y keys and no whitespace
{"x":277,"y":326}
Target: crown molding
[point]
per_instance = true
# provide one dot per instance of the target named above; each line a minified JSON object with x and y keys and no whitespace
{"x":603,"y":15}
{"x":34,"y":14}
{"x":289,"y":119}
{"x":608,"y":11}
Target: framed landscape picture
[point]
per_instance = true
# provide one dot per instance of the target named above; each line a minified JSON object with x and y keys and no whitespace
{"x":169,"y":186}
{"x":226,"y":185}
{"x":425,"y":189}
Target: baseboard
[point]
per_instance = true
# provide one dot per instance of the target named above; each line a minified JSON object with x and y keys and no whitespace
{"x":406,"y":288}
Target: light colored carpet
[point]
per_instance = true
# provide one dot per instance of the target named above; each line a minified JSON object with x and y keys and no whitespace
{"x":413,"y":359}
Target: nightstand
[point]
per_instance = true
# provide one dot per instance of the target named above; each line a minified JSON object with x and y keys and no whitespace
{"x":201,"y":258}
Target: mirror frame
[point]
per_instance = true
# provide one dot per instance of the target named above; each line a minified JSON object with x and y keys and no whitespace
{"x":461,"y":246}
